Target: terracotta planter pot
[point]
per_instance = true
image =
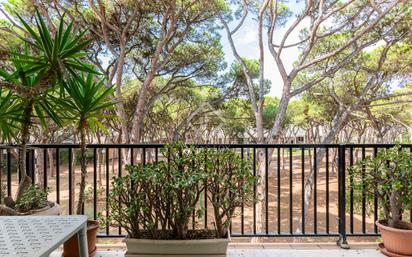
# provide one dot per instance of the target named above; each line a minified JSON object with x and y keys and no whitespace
{"x":397,"y":241}
{"x":71,"y":247}
{"x":195,"y":248}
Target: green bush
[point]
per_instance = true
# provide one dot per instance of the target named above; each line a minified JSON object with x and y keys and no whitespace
{"x":230,"y":185}
{"x":155,"y":196}
{"x":388,"y":177}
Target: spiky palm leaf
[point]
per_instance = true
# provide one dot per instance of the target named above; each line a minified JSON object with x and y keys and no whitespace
{"x":86,"y":99}
{"x":10,"y":115}
{"x":42,"y":105}
{"x":59,"y":54}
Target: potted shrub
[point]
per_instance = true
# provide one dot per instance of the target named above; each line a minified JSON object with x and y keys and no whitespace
{"x":86,"y":100}
{"x":155,"y":202}
{"x":388,"y":177}
{"x":32,"y":202}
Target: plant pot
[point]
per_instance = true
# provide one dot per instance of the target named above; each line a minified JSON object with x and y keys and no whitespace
{"x":187,"y":248}
{"x":157,"y":248}
{"x":71,"y":246}
{"x":51,"y":210}
{"x":396,"y":241}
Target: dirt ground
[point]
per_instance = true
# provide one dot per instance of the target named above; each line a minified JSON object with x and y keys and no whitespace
{"x":273,"y":218}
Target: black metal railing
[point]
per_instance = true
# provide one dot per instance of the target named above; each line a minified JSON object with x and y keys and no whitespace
{"x":289,"y":208}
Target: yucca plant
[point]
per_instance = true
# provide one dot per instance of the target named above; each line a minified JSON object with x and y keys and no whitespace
{"x":86,"y":100}
{"x":28,"y":102}
{"x":46,"y":62}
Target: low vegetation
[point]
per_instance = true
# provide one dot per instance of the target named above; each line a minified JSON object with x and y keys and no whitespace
{"x":387,"y":177}
{"x":158,"y":200}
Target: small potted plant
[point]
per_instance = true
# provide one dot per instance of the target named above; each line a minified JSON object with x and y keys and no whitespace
{"x":32,"y":202}
{"x":155,"y":202}
{"x":388,"y":177}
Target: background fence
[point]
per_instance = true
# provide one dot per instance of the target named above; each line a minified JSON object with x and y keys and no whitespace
{"x":332,"y":210}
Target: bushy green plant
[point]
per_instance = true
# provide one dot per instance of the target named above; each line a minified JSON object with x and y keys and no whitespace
{"x":154,"y":197}
{"x":230,"y":185}
{"x":33,"y":199}
{"x":159,"y":195}
{"x":388,"y":177}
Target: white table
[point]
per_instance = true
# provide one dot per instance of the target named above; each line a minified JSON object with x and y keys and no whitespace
{"x":38,"y":236}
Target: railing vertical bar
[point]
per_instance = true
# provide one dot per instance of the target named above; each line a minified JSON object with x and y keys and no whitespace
{"x":303,"y":189}
{"x":119,"y":174}
{"x":375,"y":200}
{"x":278,"y":187}
{"x":363,"y":195}
{"x":33,"y":166}
{"x":107,"y":188}
{"x":205,"y":197}
{"x":156,"y":154}
{"x":315,"y":192}
{"x":70,"y":180}
{"x":342,"y":197}
{"x":351,"y":192}
{"x":45,"y":168}
{"x":290,"y":190}
{"x":57,"y":175}
{"x":18,"y":166}
{"x":242,"y":209}
{"x":254,"y":191}
{"x":327,"y":190}
{"x":267,"y":189}
{"x":131,"y":156}
{"x":193,"y":212}
{"x":144,"y":156}
{"x":410,"y":211}
{"x":94,"y":183}
{"x":168,"y":206}
{"x":8,"y":172}
{"x":1,"y":173}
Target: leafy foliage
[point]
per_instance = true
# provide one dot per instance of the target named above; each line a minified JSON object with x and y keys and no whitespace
{"x":230,"y":185}
{"x":10,"y":115}
{"x":59,"y":54}
{"x":86,"y":100}
{"x":36,"y":75}
{"x":388,"y":177}
{"x":34,"y":198}
{"x":157,"y":195}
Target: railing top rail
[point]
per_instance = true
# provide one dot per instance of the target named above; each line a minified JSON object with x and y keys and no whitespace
{"x":69,"y":145}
